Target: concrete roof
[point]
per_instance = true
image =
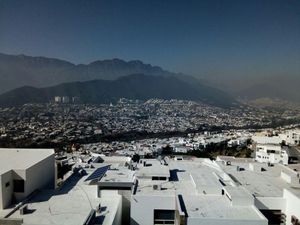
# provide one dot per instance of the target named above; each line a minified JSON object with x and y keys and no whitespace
{"x":70,"y":205}
{"x":20,"y":159}
{"x":154,"y":168}
{"x":199,"y":181}
{"x":218,"y":207}
{"x":120,"y":175}
{"x":295,"y":167}
{"x":234,"y":159}
{"x":202,"y":174}
{"x":266,"y":183}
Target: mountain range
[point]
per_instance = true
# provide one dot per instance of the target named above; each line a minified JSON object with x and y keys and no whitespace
{"x":135,"y":86}
{"x":26,"y":79}
{"x":20,"y":70}
{"x":28,"y":75}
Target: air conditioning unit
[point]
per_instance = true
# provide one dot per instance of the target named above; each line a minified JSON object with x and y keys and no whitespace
{"x":156,"y":187}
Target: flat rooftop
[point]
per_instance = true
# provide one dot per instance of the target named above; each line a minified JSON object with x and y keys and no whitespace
{"x":154,"y":168}
{"x":188,"y":177}
{"x":234,"y":159}
{"x":119,"y":175}
{"x":267,"y":183}
{"x":218,"y":207}
{"x":69,"y":205}
{"x":20,"y":159}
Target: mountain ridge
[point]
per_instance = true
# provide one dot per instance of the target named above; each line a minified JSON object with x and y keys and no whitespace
{"x":134,"y":86}
{"x":39,"y":71}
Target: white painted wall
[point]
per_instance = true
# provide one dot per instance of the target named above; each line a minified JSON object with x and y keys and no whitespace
{"x":272,"y":203}
{"x":266,"y":140}
{"x":292,"y":206}
{"x":115,"y":215}
{"x":118,"y":216}
{"x":126,"y":198}
{"x":6,"y":192}
{"x":41,"y":175}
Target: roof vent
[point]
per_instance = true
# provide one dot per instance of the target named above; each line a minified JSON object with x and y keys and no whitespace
{"x":98,"y":208}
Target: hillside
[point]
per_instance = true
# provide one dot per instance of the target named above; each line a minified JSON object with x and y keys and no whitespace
{"x":135,"y":86}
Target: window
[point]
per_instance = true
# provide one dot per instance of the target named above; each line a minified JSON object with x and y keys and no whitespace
{"x":159,"y":178}
{"x":19,"y":186}
{"x":164,"y":217}
{"x":7,"y":184}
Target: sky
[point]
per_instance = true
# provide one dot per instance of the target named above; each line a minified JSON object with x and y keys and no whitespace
{"x":201,"y":38}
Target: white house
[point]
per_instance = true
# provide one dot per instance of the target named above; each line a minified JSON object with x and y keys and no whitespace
{"x":291,"y":137}
{"x":23,"y":171}
{"x":192,"y":195}
{"x":268,"y":153}
{"x":259,"y":139}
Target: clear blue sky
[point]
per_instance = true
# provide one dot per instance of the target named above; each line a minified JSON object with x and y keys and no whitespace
{"x":196,"y":37}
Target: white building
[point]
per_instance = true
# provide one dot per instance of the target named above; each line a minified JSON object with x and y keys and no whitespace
{"x":291,"y":137}
{"x":101,"y":200}
{"x":237,"y":142}
{"x":276,"y":188}
{"x":23,"y":171}
{"x":267,"y":153}
{"x":260,"y":139}
{"x":65,"y":99}
{"x":189,"y":191}
{"x":57,"y":99}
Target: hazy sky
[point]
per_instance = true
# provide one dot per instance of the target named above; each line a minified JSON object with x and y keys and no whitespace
{"x":198,"y":37}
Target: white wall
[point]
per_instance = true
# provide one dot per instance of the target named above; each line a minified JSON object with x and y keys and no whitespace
{"x":118,"y":216}
{"x":113,"y":194}
{"x":6,"y":192}
{"x":142,"y":207}
{"x":292,"y":206}
{"x":266,"y":140}
{"x":41,"y":175}
{"x":272,"y":203}
{"x":126,"y":198}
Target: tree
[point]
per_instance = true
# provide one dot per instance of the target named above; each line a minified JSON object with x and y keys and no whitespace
{"x":136,"y":158}
{"x":168,"y":150}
